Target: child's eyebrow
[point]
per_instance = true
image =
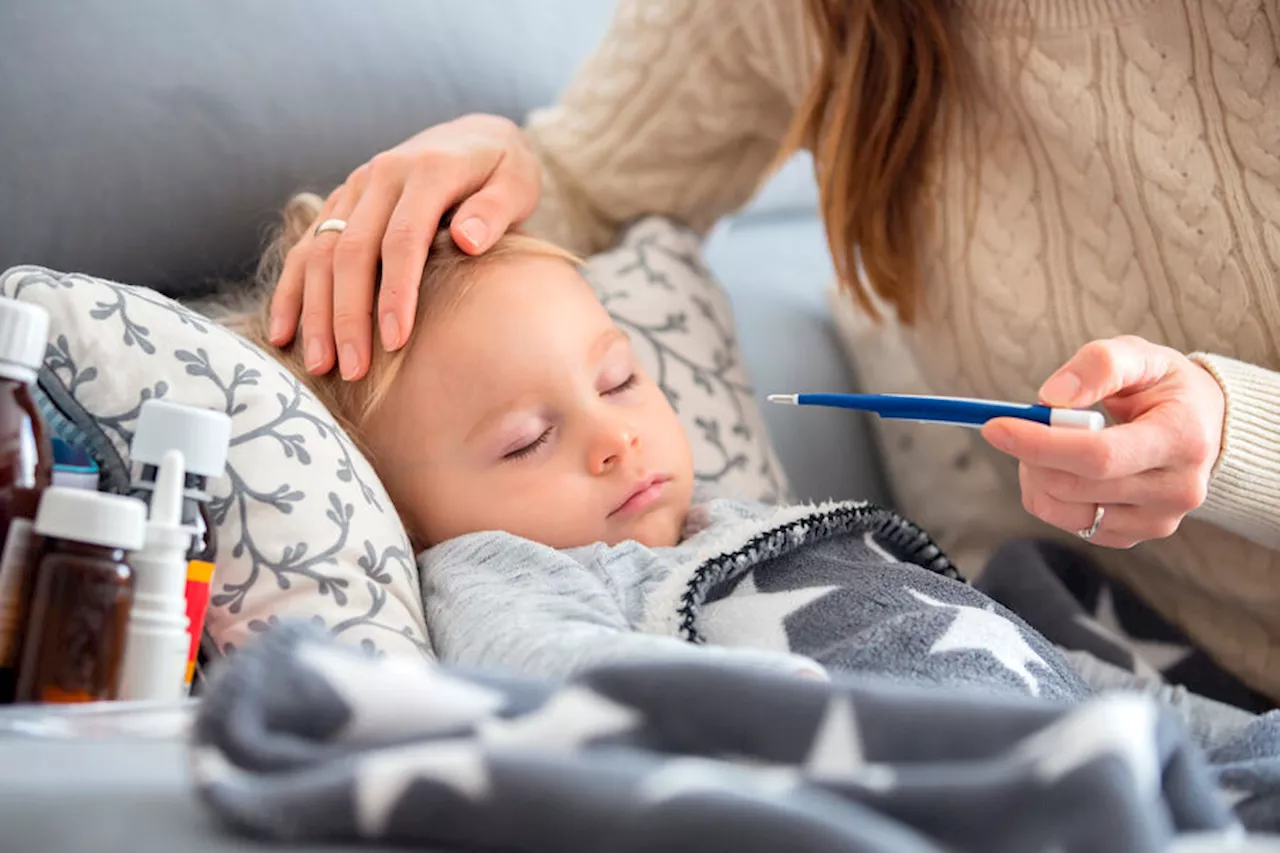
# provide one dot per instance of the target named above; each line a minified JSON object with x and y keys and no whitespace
{"x":605,"y":342}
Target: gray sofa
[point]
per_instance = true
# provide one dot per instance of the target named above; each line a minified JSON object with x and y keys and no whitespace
{"x":151,"y":142}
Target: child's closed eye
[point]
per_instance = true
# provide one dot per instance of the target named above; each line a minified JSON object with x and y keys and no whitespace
{"x":530,"y":448}
{"x":625,"y":385}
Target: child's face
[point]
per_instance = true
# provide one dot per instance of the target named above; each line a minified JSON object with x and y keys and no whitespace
{"x":523,"y":408}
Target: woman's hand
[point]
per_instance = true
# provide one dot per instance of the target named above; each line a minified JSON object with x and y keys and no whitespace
{"x":1147,"y":471}
{"x":392,"y":205}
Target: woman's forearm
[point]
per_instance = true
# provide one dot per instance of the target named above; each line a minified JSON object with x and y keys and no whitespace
{"x":680,"y":110}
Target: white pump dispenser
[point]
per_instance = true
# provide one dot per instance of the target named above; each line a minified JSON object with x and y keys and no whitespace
{"x":157,"y":642}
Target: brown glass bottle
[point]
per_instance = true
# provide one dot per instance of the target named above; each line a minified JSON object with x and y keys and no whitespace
{"x":83,"y":591}
{"x":26,"y":464}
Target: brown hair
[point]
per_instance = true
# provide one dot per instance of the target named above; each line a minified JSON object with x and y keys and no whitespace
{"x":445,"y":278}
{"x":886,"y":70}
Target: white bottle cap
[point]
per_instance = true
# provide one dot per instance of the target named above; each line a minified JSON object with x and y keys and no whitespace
{"x":201,"y":435}
{"x":95,"y":518}
{"x":24,"y":332}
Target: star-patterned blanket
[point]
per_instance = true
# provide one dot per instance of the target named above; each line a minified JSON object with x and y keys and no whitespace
{"x":301,"y":739}
{"x":839,"y":587}
{"x":1069,"y":599}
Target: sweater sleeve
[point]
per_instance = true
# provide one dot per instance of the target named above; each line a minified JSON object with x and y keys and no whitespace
{"x":1244,"y":492}
{"x":680,"y":110}
{"x":496,"y":601}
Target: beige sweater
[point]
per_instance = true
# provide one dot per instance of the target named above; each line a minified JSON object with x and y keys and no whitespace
{"x":1130,"y":183}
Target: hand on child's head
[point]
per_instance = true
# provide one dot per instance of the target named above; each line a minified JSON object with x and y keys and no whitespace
{"x":523,"y":408}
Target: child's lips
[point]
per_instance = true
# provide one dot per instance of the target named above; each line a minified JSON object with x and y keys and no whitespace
{"x":642,"y":495}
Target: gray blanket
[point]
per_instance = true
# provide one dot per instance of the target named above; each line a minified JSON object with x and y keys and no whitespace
{"x":836,"y":587}
{"x":299,"y":738}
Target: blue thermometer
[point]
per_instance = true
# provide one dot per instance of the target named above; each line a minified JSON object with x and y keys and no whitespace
{"x":957,"y":411}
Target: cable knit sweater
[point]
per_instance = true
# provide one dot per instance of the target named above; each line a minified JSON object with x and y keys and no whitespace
{"x":1129,"y":183}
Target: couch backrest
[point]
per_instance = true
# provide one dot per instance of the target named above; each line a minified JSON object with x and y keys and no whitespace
{"x":153,"y":141}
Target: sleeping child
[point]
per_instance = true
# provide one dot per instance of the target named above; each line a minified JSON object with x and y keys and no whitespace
{"x":548,"y":486}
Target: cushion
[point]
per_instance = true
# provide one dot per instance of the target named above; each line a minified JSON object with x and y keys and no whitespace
{"x":657,"y":288}
{"x":305,"y":529}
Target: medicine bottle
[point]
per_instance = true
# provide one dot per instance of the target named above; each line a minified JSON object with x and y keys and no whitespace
{"x":26,"y":464}
{"x":83,"y":590}
{"x":203,"y":437}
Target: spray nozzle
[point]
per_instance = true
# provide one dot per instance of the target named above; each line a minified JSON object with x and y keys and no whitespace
{"x":166,"y":500}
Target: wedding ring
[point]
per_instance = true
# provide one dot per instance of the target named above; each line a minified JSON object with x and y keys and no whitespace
{"x":1091,"y":530}
{"x":336,"y":225}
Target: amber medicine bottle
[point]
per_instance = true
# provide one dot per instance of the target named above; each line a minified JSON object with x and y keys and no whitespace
{"x":83,"y":590}
{"x":26,"y":465}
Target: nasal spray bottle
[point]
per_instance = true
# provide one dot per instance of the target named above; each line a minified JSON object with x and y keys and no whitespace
{"x":158,"y":642}
{"x":202,"y":436}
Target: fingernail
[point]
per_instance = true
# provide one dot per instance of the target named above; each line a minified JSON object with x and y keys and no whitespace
{"x":315,"y":354}
{"x":390,"y":331}
{"x":348,"y":363}
{"x":474,"y":230}
{"x":275,"y":330}
{"x":1061,"y":389}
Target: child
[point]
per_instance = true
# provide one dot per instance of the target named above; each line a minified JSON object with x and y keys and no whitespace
{"x":549,"y":486}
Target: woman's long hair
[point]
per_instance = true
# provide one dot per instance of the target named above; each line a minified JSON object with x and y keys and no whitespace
{"x":886,"y":72}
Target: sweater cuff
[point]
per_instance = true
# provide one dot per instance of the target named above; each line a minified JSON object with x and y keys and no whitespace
{"x":1244,"y":489}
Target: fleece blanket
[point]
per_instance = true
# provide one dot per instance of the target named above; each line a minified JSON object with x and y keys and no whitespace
{"x":844,"y":586}
{"x":301,"y":739}
{"x":1069,"y":599}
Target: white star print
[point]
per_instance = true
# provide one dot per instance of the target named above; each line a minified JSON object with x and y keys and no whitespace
{"x":836,"y":752}
{"x":382,"y":777}
{"x":750,"y":618}
{"x":1150,"y":657}
{"x":681,"y":776}
{"x":569,"y":719}
{"x":378,"y":692}
{"x":983,"y":630}
{"x":869,"y":539}
{"x":837,"y":747}
{"x":1121,"y":724}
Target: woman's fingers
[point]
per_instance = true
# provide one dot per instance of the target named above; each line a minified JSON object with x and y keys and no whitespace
{"x":1163,"y":490}
{"x":393,"y":206}
{"x":1123,"y":525}
{"x":406,"y":242}
{"x":317,"y":295}
{"x":1105,"y":368}
{"x":355,"y":267}
{"x":1117,"y":451}
{"x":287,"y":298}
{"x":509,"y":197}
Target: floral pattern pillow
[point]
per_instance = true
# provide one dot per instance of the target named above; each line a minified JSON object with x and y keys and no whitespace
{"x":305,"y":529}
{"x":657,"y":288}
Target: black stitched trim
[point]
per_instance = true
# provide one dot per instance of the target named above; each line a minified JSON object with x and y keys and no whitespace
{"x":900,"y":537}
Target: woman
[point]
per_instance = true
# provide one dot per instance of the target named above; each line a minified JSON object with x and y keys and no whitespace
{"x":1058,"y":197}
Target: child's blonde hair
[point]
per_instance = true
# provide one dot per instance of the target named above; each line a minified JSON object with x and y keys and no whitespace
{"x":446,"y":276}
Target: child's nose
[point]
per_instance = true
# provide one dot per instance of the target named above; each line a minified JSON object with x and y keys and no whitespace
{"x":614,"y":441}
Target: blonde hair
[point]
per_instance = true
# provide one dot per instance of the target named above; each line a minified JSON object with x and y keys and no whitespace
{"x":886,"y":71}
{"x":448,"y":273}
